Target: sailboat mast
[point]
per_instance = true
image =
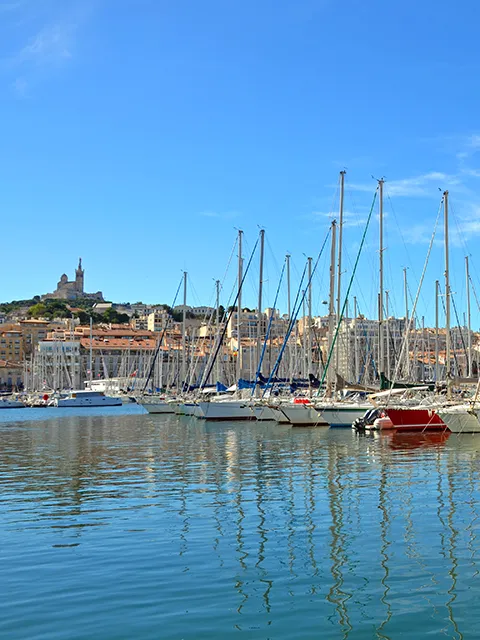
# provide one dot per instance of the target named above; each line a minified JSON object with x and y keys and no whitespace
{"x":239,"y":307}
{"x":287,"y":258}
{"x":437,"y":364}
{"x":469,"y":321}
{"x":217,"y":328}
{"x":381,"y":345}
{"x":447,"y":297}
{"x":387,"y":331}
{"x":407,"y":337}
{"x":184,"y":329}
{"x":309,"y":335}
{"x":339,"y":264}
{"x":331,"y":308}
{"x":90,"y":377}
{"x":355,"y":339}
{"x":260,"y":292}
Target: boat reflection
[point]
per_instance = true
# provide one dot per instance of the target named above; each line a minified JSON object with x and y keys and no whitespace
{"x":409,"y":441}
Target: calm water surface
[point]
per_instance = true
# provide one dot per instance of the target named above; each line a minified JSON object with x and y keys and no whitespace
{"x":126,"y":525}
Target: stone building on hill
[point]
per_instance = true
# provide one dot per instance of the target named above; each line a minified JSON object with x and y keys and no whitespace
{"x":73,"y":289}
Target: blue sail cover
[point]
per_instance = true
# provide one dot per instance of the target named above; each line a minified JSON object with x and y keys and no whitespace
{"x":221,"y":387}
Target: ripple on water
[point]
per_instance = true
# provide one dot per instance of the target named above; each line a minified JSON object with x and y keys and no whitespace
{"x":121,"y":526}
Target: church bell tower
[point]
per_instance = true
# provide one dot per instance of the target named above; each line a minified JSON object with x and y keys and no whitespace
{"x":79,"y":277}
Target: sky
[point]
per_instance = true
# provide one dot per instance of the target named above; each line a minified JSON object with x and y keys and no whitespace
{"x":141,"y":134}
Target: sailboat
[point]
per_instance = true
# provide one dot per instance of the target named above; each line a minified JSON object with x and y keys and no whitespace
{"x":421,"y":417}
{"x":334,"y":412}
{"x":232,"y":408}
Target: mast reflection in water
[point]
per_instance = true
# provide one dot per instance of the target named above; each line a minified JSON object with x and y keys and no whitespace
{"x":147,"y":527}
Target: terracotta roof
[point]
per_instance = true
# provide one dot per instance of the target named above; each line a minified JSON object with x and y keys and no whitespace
{"x":118,"y":343}
{"x":115,"y":332}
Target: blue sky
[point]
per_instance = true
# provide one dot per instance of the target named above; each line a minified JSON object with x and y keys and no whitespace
{"x":139,"y":133}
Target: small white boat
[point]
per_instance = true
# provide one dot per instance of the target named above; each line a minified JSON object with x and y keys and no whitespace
{"x":88,"y":399}
{"x":5,"y":403}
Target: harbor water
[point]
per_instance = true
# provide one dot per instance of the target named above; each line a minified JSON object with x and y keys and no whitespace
{"x":116,"y":524}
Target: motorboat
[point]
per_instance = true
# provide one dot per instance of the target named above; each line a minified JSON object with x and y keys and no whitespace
{"x":88,"y":399}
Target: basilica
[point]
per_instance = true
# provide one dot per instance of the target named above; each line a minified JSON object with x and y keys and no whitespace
{"x":73,"y":289}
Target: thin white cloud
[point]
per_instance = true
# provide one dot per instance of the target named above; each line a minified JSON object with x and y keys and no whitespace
{"x":50,"y":46}
{"x":46,"y":35}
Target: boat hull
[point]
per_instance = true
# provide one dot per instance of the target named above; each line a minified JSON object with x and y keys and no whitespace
{"x":11,"y":404}
{"x":264,"y":413}
{"x":302,"y":415}
{"x":280,"y":417}
{"x":226,"y":411}
{"x":90,"y":402}
{"x":157,"y":407}
{"x":460,"y":420}
{"x":342,"y":416}
{"x":186,"y":408}
{"x":415,"y":419}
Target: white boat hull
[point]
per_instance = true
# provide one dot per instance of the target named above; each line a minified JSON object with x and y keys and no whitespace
{"x":104,"y":401}
{"x":186,"y":408}
{"x":157,"y":407}
{"x":302,"y":415}
{"x":342,"y":416}
{"x":11,"y":404}
{"x":263,"y":412}
{"x":226,"y":411}
{"x":460,"y":419}
{"x":280,"y":417}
